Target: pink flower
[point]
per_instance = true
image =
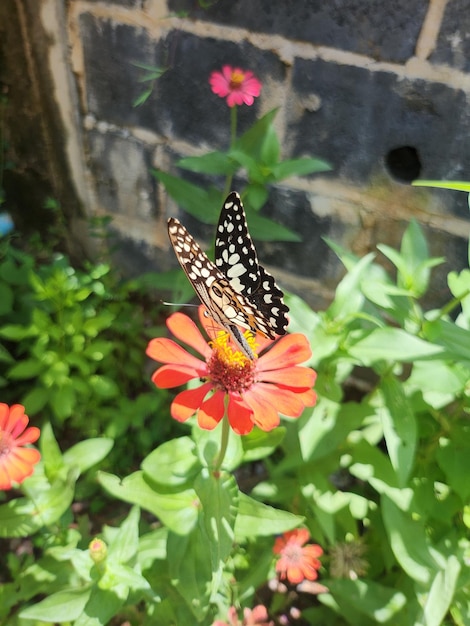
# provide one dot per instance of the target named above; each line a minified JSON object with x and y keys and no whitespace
{"x":238,"y":86}
{"x":256,"y":617}
{"x":298,"y":561}
{"x":16,"y":462}
{"x":252,"y":392}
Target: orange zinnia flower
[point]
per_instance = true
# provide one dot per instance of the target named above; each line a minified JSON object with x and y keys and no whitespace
{"x":16,"y":462}
{"x":298,"y":561}
{"x":238,"y":86}
{"x":252,"y":392}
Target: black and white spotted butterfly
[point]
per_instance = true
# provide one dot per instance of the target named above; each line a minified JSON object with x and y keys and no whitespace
{"x":236,"y":290}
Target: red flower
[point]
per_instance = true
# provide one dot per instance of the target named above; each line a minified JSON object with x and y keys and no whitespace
{"x":16,"y":462}
{"x":298,"y":562}
{"x":238,"y":86}
{"x":256,"y":617}
{"x":252,"y":392}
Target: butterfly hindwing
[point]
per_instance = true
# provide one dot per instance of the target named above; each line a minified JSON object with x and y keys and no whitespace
{"x":236,"y":258}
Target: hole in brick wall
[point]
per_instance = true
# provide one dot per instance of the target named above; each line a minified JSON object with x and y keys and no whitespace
{"x":403,"y":164}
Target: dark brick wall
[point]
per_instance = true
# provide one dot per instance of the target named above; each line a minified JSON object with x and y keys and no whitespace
{"x":349,"y":89}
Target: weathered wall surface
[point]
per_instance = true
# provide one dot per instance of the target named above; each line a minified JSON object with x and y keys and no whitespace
{"x":378,"y":89}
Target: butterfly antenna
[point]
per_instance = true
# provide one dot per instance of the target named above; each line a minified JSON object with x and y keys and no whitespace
{"x":178,"y":304}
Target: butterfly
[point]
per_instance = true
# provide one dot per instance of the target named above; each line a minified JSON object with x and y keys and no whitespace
{"x":235,"y":289}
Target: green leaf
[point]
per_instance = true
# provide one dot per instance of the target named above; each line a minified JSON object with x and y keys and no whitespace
{"x":439,"y":381}
{"x":366,"y":597}
{"x":299,"y":167}
{"x":216,"y":163}
{"x":5,"y":356}
{"x":251,"y":142}
{"x":50,"y":452}
{"x":63,"y":400}
{"x":256,"y":519}
{"x":348,"y":297}
{"x":35,"y":400}
{"x":392,"y":344}
{"x":16,"y":332}
{"x":103,"y":604}
{"x":190,"y":569}
{"x":85,"y":454}
{"x":265,"y":229}
{"x":144,"y":96}
{"x":17,"y":518}
{"x":173,"y":463}
{"x":270,"y":148}
{"x":152,"y":547}
{"x":6,"y":299}
{"x":328,"y":426}
{"x":176,"y":510}
{"x":442,"y":593}
{"x":255,"y":196}
{"x":63,"y":606}
{"x":454,"y":339}
{"x":208,"y":447}
{"x":443,"y":184}
{"x":103,"y":386}
{"x":29,"y":368}
{"x":400,"y":428}
{"x":218,"y":495}
{"x":407,"y":538}
{"x":198,"y":202}
{"x":259,"y":444}
{"x":123,"y":547}
{"x":453,"y":457}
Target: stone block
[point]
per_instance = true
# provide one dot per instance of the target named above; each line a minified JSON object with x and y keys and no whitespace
{"x":453,"y":43}
{"x":361,"y":117}
{"x":386,"y":31}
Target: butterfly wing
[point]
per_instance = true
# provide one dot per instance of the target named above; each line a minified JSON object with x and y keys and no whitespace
{"x":236,"y":258}
{"x":226,"y":306}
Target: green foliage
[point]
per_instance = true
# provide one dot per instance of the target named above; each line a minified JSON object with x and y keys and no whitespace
{"x":73,"y":348}
{"x":257,"y":154}
{"x":384,"y":468}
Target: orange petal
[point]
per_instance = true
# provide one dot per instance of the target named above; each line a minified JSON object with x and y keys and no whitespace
{"x":184,"y":329}
{"x":4,"y":413}
{"x":289,"y":350}
{"x":174,"y":375}
{"x":297,"y":376}
{"x":166,"y":350}
{"x":309,"y":397}
{"x":18,"y":464}
{"x":240,"y":415}
{"x":282,"y":400}
{"x":264,"y":414}
{"x":211,"y":411}
{"x":30,"y":435}
{"x":187,"y":402}
{"x":16,"y":421}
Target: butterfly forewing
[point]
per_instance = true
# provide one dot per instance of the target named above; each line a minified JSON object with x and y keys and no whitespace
{"x":236,"y":290}
{"x":236,"y":258}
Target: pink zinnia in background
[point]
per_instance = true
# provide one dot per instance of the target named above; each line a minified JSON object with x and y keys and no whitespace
{"x":238,"y":86}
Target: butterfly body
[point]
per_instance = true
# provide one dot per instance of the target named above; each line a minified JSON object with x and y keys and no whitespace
{"x":236,"y":290}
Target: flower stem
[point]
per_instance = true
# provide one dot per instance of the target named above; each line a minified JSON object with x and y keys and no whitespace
{"x":223,"y":442}
{"x":233,"y":137}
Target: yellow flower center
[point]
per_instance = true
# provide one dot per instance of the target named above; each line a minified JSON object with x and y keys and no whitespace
{"x":236,"y":79}
{"x":229,"y":369}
